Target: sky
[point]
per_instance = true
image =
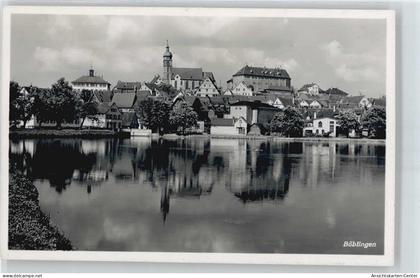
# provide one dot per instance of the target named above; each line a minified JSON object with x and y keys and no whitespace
{"x":349,"y":54}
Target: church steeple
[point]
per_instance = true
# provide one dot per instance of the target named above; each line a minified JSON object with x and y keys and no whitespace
{"x":167,"y":65}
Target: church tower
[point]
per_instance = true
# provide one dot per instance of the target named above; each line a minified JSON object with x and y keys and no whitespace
{"x":167,"y":65}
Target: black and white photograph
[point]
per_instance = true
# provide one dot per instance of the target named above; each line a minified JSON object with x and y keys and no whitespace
{"x":237,"y":135}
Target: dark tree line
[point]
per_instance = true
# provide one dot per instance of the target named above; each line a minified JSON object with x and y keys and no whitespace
{"x":57,"y":104}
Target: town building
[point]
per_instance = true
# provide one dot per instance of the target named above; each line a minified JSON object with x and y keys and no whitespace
{"x":353,"y":102}
{"x":311,"y":89}
{"x":321,"y":123}
{"x":208,"y":89}
{"x":124,"y":101}
{"x":185,"y":79}
{"x":127,"y":86}
{"x":108,"y":116}
{"x":228,"y":126}
{"x":242,"y":89}
{"x":261,"y":78}
{"x":252,"y":112}
{"x":90,"y":82}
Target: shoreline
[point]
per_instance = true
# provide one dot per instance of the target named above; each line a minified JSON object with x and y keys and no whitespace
{"x":29,"y":228}
{"x":98,"y":134}
{"x":63,"y":133}
{"x":277,"y":138}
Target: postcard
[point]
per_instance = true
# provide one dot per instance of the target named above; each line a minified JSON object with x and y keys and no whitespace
{"x":203,"y":135}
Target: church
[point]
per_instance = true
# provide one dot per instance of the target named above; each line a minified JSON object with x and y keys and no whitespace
{"x":184,"y":79}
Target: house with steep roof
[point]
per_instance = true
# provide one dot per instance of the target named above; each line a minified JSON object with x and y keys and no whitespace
{"x":260,"y":78}
{"x":90,"y":82}
{"x":108,"y":116}
{"x":208,"y":88}
{"x":102,"y":96}
{"x":124,"y":101}
{"x":242,"y":89}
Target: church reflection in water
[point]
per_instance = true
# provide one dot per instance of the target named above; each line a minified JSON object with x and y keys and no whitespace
{"x":251,"y":170}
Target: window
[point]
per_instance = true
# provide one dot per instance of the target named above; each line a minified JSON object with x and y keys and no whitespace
{"x":319,"y":124}
{"x":241,"y":130}
{"x":331,"y":126}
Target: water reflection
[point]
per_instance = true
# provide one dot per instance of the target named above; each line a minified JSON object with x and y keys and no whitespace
{"x":201,"y":180}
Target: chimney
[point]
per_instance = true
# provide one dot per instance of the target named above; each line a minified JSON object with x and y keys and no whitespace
{"x":91,"y":72}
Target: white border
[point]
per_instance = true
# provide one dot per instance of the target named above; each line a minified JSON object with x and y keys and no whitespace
{"x":234,"y":258}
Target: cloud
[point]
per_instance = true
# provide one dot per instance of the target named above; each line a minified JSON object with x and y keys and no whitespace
{"x":58,"y":24}
{"x":356,"y":74}
{"x":351,"y":66}
{"x":258,"y":57}
{"x":51,"y":59}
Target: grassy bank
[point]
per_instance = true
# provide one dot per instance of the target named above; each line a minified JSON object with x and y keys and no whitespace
{"x":29,"y":227}
{"x":62,"y":133}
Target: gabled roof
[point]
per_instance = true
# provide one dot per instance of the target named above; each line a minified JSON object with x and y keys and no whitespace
{"x":352,"y":99}
{"x":90,"y":79}
{"x":286,"y":101}
{"x":336,"y":91}
{"x":209,"y":75}
{"x":124,"y":100}
{"x":188,"y":73}
{"x":378,"y":101}
{"x":123,"y":85}
{"x":103,"y":96}
{"x":263,"y":72}
{"x":222,"y":122}
{"x":190,"y":100}
{"x":306,"y":86}
{"x":104,"y":107}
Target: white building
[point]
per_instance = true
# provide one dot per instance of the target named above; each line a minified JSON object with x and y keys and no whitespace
{"x":207,"y":89}
{"x":91,"y":82}
{"x":322,"y":125}
{"x":310,"y":89}
{"x":233,"y":126}
{"x":242,"y":90}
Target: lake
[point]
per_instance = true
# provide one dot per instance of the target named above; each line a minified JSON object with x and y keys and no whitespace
{"x":209,"y":195}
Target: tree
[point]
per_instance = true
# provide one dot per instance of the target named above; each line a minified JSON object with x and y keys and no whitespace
{"x":168,"y":89}
{"x":88,"y":107}
{"x":288,"y":123}
{"x":183,"y":117}
{"x":57,"y":104}
{"x":347,"y":120}
{"x":24,"y":105}
{"x":154,"y":115}
{"x":14,"y":92}
{"x":374,"y":119}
